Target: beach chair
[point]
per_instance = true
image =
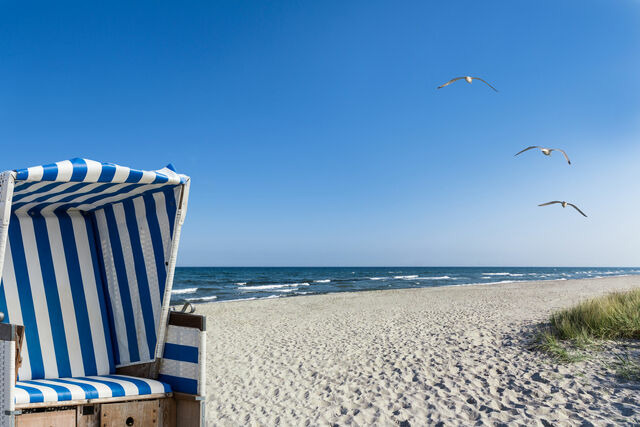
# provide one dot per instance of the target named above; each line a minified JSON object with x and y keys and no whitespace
{"x":87,"y":338}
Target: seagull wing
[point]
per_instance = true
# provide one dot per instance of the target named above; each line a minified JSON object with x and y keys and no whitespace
{"x":563,"y":153}
{"x":528,"y":148}
{"x":576,"y":208}
{"x":450,"y":81}
{"x":551,"y":203}
{"x":485,"y":82}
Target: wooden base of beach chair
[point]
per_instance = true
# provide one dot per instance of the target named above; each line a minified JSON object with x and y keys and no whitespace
{"x":147,"y":412}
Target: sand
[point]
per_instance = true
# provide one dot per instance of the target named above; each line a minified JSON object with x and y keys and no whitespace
{"x":454,"y":355}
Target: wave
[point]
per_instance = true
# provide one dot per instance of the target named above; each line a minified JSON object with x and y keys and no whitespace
{"x":209,"y":298}
{"x":322,"y":281}
{"x":241,"y":283}
{"x":377,"y":278}
{"x":267,"y":287}
{"x":412,"y":276}
{"x":434,"y":278}
{"x":496,"y":274}
{"x":184,"y":291}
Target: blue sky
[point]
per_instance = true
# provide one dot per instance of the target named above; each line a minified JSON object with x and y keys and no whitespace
{"x":314,"y":134}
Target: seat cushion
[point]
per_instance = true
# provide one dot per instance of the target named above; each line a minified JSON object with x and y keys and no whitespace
{"x":83,"y":388}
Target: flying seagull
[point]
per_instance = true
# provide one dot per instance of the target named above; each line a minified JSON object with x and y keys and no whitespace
{"x":564,"y":205}
{"x":546,"y":151}
{"x":469,"y":79}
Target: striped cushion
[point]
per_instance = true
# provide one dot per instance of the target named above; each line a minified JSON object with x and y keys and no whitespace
{"x":182,"y":365}
{"x":83,"y":388}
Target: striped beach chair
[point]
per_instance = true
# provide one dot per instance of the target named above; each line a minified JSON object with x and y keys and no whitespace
{"x":87,"y":256}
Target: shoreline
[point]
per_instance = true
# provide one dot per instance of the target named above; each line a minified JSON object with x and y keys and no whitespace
{"x":504,"y":282}
{"x":452,"y":354}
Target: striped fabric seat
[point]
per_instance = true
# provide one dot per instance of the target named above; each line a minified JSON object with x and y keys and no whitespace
{"x":85,"y":388}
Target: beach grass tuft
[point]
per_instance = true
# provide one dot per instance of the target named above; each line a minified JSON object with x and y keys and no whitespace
{"x":573,"y":332}
{"x":613,"y":316}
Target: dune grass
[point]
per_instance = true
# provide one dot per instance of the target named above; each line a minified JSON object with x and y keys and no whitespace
{"x":610,"y":317}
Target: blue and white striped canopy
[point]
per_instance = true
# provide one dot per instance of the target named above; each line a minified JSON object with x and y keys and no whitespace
{"x":84,"y":185}
{"x":89,"y":263}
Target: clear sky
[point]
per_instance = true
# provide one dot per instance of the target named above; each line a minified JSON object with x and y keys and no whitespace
{"x":314,"y":134}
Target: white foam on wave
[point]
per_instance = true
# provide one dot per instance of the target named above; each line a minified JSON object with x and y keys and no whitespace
{"x":496,"y":274}
{"x":209,"y":298}
{"x":412,"y":276}
{"x":433,"y":278}
{"x":322,"y":281}
{"x":377,"y":278}
{"x":267,"y":287}
{"x":184,"y":291}
{"x":241,"y":283}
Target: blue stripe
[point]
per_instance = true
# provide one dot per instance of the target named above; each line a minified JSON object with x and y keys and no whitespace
{"x":52,"y":296}
{"x":3,"y":302}
{"x":32,"y":336}
{"x":180,"y":384}
{"x":170,"y":200}
{"x":116,"y":389}
{"x":143,"y":386}
{"x":134,"y":176}
{"x":141,"y":274}
{"x":50,"y":172}
{"x":35,"y":395}
{"x":77,"y":292}
{"x":156,"y":241}
{"x":79,"y":170}
{"x":100,"y":197}
{"x":107,"y":174}
{"x":99,"y":273}
{"x":90,"y":392}
{"x":183,"y":353}
{"x":123,"y":283}
{"x":63,"y":392}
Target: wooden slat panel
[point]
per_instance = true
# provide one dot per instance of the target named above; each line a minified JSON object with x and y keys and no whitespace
{"x":64,"y":418}
{"x":140,"y":413}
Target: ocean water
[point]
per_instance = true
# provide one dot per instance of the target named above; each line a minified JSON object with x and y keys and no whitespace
{"x":219,"y":284}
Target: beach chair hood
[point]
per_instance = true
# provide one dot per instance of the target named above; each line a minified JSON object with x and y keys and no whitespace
{"x":88,"y":249}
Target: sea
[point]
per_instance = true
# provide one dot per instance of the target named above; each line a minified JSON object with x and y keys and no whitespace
{"x":223,"y":284}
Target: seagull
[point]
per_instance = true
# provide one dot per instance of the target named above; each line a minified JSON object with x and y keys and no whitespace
{"x":564,"y":205}
{"x":546,"y":151}
{"x":469,"y":79}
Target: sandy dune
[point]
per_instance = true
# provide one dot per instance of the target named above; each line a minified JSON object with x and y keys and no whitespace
{"x":411,"y":357}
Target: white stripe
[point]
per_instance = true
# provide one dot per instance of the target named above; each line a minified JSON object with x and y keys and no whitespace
{"x":77,"y":392}
{"x":103,"y":389}
{"x":183,"y":336}
{"x":65,"y":170}
{"x":94,"y":169}
{"x":163,"y":220}
{"x":91,"y":293}
{"x":66,"y":298}
{"x":180,"y":369}
{"x":50,"y":395}
{"x":14,"y":309}
{"x":125,"y":240}
{"x":35,"y":173}
{"x":21,"y":396}
{"x":122,"y":173}
{"x":112,"y":285}
{"x":147,"y":177}
{"x":39,"y":297}
{"x":149,"y":258}
{"x":29,"y":189}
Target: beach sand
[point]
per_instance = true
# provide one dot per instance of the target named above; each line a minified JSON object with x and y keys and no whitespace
{"x":456,"y":355}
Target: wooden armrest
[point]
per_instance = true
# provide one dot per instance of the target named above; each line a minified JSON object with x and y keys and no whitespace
{"x":187,"y":320}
